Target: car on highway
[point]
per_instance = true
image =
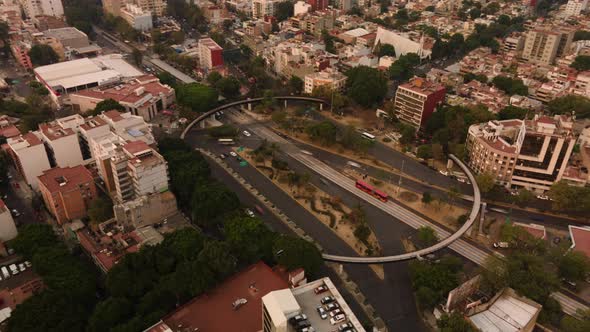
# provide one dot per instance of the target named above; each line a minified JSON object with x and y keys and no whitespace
{"x":501,"y":245}
{"x":233,"y":154}
{"x":222,"y":156}
{"x":445,"y":173}
{"x":246,"y":133}
{"x":250,"y":213}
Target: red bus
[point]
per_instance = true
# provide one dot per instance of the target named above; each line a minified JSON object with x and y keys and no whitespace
{"x":364,"y":186}
{"x":381,"y":195}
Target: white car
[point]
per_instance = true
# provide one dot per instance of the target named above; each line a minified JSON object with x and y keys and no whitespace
{"x":543,"y":197}
{"x":337,"y":319}
{"x":250,"y":213}
{"x":246,"y":133}
{"x":445,"y":173}
{"x":233,"y":154}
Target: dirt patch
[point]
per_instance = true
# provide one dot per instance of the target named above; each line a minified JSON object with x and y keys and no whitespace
{"x":408,"y":196}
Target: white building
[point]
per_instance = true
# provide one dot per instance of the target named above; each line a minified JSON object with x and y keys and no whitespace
{"x":136,"y":17}
{"x":301,"y":7}
{"x":329,"y":76}
{"x":157,"y":7}
{"x":7,"y":227}
{"x":403,"y":43}
{"x":29,"y":156}
{"x":575,"y":7}
{"x":62,"y":144}
{"x":34,"y":8}
{"x":262,"y":8}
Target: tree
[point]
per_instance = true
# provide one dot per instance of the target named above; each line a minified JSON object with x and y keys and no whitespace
{"x":107,"y":105}
{"x":296,"y":84}
{"x":433,"y":281}
{"x":424,"y":151}
{"x":225,"y":130}
{"x":365,"y":85}
{"x":566,"y":197}
{"x":284,"y":10}
{"x":229,"y":87}
{"x":573,"y":324}
{"x":408,"y":133}
{"x":42,"y":55}
{"x":438,"y":152}
{"x":137,"y":57}
{"x":569,"y":104}
{"x":100,"y":210}
{"x":325,"y":132}
{"x":248,"y":239}
{"x":386,"y":50}
{"x":200,"y":98}
{"x":581,"y":63}
{"x":462,"y":219}
{"x":426,"y":198}
{"x":582,"y":35}
{"x":454,"y":323}
{"x":362,"y":232}
{"x":512,"y":112}
{"x":427,"y":236}
{"x":109,"y":313}
{"x":217,"y":255}
{"x":294,"y":252}
{"x":453,"y":194}
{"x":403,"y":68}
{"x":510,"y":86}
{"x":33,"y":237}
{"x":485,"y":182}
{"x":574,"y":266}
{"x":524,"y":196}
{"x":210,"y":201}
{"x":167,"y":78}
{"x":214,"y":77}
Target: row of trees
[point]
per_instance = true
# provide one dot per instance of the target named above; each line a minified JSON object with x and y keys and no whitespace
{"x":327,"y":133}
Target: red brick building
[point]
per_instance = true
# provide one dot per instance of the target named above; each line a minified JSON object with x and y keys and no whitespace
{"x":318,"y":4}
{"x":416,"y":100}
{"x":67,"y":192}
{"x":16,"y":289}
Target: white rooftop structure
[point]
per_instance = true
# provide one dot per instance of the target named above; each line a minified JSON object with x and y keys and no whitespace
{"x":508,"y":313}
{"x":281,"y":305}
{"x":358,"y":32}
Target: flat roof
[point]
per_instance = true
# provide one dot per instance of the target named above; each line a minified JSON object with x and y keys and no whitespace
{"x":65,"y":179}
{"x":64,"y":33}
{"x":506,"y":314}
{"x":580,"y":239}
{"x":214,"y":311}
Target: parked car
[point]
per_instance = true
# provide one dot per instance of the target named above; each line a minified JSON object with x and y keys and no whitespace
{"x":222,"y":156}
{"x":337,"y":319}
{"x":336,"y":312}
{"x":297,"y":318}
{"x":250,"y":213}
{"x":501,"y":245}
{"x":320,"y":289}
{"x":327,"y":299}
{"x":322,"y":312}
{"x":345,"y":327}
{"x":233,"y":154}
{"x":543,"y":197}
{"x":259,"y":209}
{"x":246,"y":133}
{"x":332,"y":306}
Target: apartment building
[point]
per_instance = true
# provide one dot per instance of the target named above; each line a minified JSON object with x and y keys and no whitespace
{"x":146,"y":210}
{"x":301,"y":7}
{"x":156,"y":7}
{"x":263,"y":8}
{"x":318,"y":4}
{"x":34,"y":8}
{"x":416,"y":100}
{"x":543,"y":45}
{"x":14,"y":290}
{"x":330,"y":77}
{"x":113,"y":7}
{"x":29,"y":156}
{"x":7,"y":226}
{"x":575,"y":7}
{"x":144,"y":96}
{"x":210,"y":54}
{"x":137,"y":18}
{"x":136,"y":170}
{"x":62,"y":145}
{"x":530,"y":154}
{"x":67,"y":192}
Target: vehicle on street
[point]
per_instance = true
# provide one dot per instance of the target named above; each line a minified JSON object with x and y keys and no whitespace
{"x":345,"y":327}
{"x":233,"y":154}
{"x":543,"y":197}
{"x":259,"y":209}
{"x":15,"y":213}
{"x":13,"y":269}
{"x":5,"y":272}
{"x":327,"y":299}
{"x":222,"y":156}
{"x":250,"y":213}
{"x":246,"y":133}
{"x":445,"y":173}
{"x":368,"y":136}
{"x":337,"y":319}
{"x":21,"y":267}
{"x":322,"y":312}
{"x":373,"y":191}
{"x":320,"y":289}
{"x":501,"y":245}
{"x":226,"y":141}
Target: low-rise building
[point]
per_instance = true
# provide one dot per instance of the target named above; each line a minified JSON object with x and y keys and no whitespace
{"x":7,"y":226}
{"x":144,"y":96}
{"x":137,"y":18}
{"x":15,"y":289}
{"x":532,"y":154}
{"x":416,"y":100}
{"x":146,"y":210}
{"x":67,"y":192}
{"x":29,"y":156}
{"x":329,"y":77}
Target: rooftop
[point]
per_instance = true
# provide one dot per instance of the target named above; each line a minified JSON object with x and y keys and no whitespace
{"x":210,"y":44}
{"x":64,"y":33}
{"x":55,"y":131}
{"x":65,"y":179}
{"x":204,"y":312}
{"x":580,"y":239}
{"x":537,"y":231}
{"x":422,"y":86}
{"x":23,"y":141}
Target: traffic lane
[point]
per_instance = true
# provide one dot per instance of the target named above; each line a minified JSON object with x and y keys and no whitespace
{"x":389,"y":297}
{"x":275,"y":224}
{"x":13,"y":201}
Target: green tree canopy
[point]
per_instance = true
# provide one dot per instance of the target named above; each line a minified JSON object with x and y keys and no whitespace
{"x":433,"y":281}
{"x":229,"y":87}
{"x":582,"y":35}
{"x":167,"y":78}
{"x":210,"y":201}
{"x":293,"y":252}
{"x":249,"y":239}
{"x":427,"y":236}
{"x":107,"y":105}
{"x":284,"y":10}
{"x":581,"y":63}
{"x":486,"y":182}
{"x":512,"y":112}
{"x":454,"y":323}
{"x":296,"y":84}
{"x":365,"y":85}
{"x":403,"y":68}
{"x":569,"y":104}
{"x":100,"y":210}
{"x":325,"y":132}
{"x":511,"y":86}
{"x":42,"y":55}
{"x":566,"y":197}
{"x":200,"y":98}
{"x":574,"y":266}
{"x":386,"y":50}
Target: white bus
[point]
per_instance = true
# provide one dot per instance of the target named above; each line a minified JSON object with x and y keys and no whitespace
{"x":368,"y":136}
{"x":226,"y":141}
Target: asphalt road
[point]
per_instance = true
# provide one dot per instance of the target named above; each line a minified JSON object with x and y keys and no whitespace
{"x":14,"y":201}
{"x":392,"y":297}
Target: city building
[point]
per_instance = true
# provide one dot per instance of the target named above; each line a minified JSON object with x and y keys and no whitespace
{"x":7,"y":127}
{"x":144,"y":96}
{"x":279,"y":306}
{"x":15,"y":289}
{"x":137,"y":18}
{"x":146,"y":210}
{"x":69,"y":42}
{"x":63,"y":78}
{"x":7,"y":226}
{"x":29,"y":156}
{"x":61,"y":144}
{"x":532,"y":154}
{"x":575,"y":7}
{"x":156,"y":7}
{"x":543,"y":45}
{"x":416,"y":100}
{"x":20,"y":51}
{"x":210,"y":54}
{"x":67,"y":192}
{"x":318,"y":4}
{"x":330,"y":77}
{"x":506,"y":311}
{"x":580,"y":239}
{"x":34,"y":8}
{"x":301,"y":7}
{"x":113,"y":7}
{"x":405,"y":42}
{"x":135,"y":170}
{"x":263,"y":8}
